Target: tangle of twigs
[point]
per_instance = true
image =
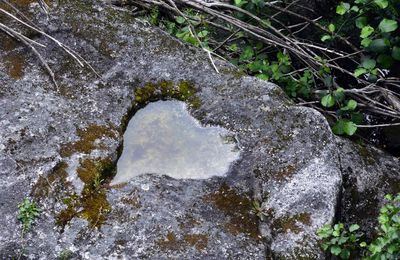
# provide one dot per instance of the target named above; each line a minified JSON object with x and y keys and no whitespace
{"x":381,"y":98}
{"x":21,"y":19}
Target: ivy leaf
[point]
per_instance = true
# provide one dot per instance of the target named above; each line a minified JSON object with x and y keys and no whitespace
{"x":355,"y":8}
{"x":350,"y":128}
{"x":366,"y":42}
{"x":354,"y":227}
{"x":366,"y":31}
{"x":344,"y":127}
{"x":360,"y":71}
{"x":180,"y":19}
{"x":331,"y":27}
{"x":335,"y":250}
{"x":350,"y":106}
{"x":345,"y":254}
{"x":361,"y":22}
{"x":263,"y":76}
{"x":342,"y":8}
{"x":378,"y":45}
{"x":357,"y":118}
{"x":338,"y":94}
{"x":387,"y":25}
{"x":368,"y":63}
{"x":385,"y":61}
{"x":328,"y":101}
{"x":233,"y":47}
{"x":326,"y":37}
{"x":396,"y":53}
{"x":381,"y":3}
{"x":247,"y":54}
{"x":202,"y":34}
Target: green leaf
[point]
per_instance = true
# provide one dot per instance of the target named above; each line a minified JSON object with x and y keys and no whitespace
{"x":247,"y":53}
{"x":366,"y":31}
{"x":378,"y":45}
{"x":343,"y":126}
{"x":381,"y":3}
{"x":363,"y":244}
{"x":263,"y":76}
{"x":338,"y":128}
{"x":180,"y":19}
{"x":233,"y":47}
{"x":355,"y":9}
{"x":331,"y":27}
{"x":366,"y":42}
{"x":345,"y":254}
{"x":350,"y":106}
{"x":335,"y":250}
{"x":388,"y":197}
{"x":350,"y":128}
{"x":202,"y":34}
{"x":325,"y":38}
{"x":385,"y":61}
{"x":338,"y":94}
{"x":354,"y":227}
{"x":361,"y":22}
{"x":368,"y":63}
{"x":239,"y":2}
{"x":387,"y":25}
{"x":328,"y":101}
{"x":396,"y":53}
{"x":360,"y":71}
{"x":342,"y":8}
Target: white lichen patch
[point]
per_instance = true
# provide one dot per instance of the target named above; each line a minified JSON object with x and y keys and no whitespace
{"x":164,"y":139}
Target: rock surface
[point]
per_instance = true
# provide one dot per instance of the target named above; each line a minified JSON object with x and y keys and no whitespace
{"x":59,"y":147}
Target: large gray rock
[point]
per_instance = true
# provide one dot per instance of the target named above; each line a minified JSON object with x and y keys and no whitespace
{"x":368,"y":175}
{"x":57,"y":145}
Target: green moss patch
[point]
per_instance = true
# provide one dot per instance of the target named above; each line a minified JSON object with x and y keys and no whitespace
{"x":239,"y":210}
{"x":92,"y":203}
{"x":172,"y":242}
{"x":163,"y":90}
{"x":87,"y":138}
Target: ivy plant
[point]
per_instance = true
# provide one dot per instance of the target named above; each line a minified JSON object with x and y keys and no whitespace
{"x":347,"y":243}
{"x":28,"y":213}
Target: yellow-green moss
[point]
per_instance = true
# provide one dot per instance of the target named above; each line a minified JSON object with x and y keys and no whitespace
{"x":92,"y":171}
{"x":92,"y":203}
{"x":65,"y":216}
{"x":183,"y":91}
{"x":95,"y":206}
{"x":239,"y":210}
{"x":87,"y":138}
{"x":163,"y":90}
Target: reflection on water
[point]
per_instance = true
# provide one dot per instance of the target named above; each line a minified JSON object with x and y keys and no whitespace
{"x":163,"y":138}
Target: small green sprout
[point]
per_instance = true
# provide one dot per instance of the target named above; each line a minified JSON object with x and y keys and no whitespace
{"x":27,"y":214}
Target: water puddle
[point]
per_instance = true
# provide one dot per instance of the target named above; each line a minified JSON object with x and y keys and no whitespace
{"x":163,"y":138}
